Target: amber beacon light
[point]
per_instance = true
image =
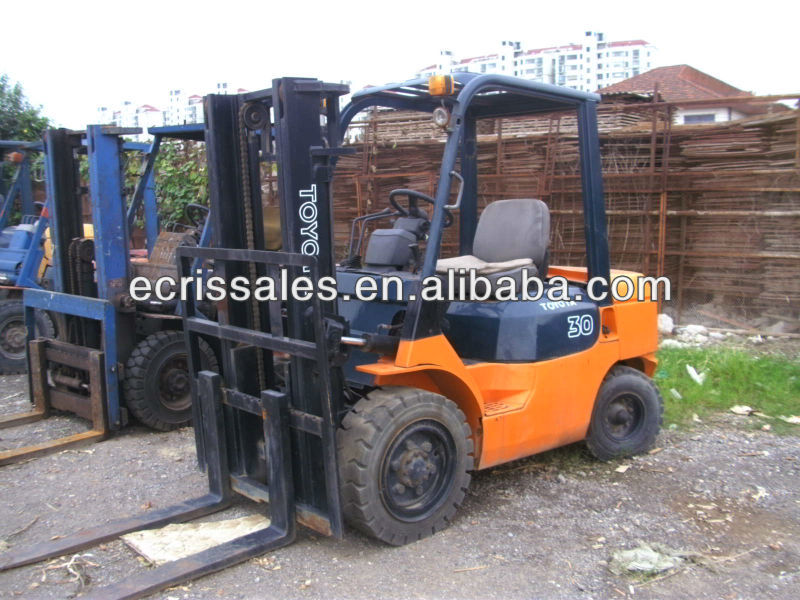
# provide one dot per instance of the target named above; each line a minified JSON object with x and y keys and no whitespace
{"x":441,"y":85}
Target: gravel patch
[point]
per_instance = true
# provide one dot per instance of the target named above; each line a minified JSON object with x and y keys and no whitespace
{"x":543,"y":527}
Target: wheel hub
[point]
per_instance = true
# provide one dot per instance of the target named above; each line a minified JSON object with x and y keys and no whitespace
{"x":414,"y":466}
{"x":174,"y":383}
{"x":620,"y":416}
{"x":12,"y":338}
{"x":623,"y":416}
{"x":177,"y":381}
{"x":416,"y":470}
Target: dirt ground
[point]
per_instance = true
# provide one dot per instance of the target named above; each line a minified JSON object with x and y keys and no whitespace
{"x":544,"y":527}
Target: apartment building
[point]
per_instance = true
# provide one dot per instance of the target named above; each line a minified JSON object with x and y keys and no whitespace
{"x":180,"y":109}
{"x":588,"y":66}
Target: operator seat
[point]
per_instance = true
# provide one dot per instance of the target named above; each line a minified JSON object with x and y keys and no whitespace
{"x":512,"y":235}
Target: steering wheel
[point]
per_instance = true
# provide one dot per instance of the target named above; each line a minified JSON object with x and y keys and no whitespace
{"x":196,"y":213}
{"x":412,"y":210}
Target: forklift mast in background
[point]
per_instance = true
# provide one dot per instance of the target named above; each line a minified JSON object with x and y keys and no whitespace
{"x":99,"y":325}
{"x":21,"y":183}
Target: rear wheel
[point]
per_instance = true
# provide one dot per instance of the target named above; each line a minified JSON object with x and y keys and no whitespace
{"x":627,"y":415}
{"x":14,"y":335}
{"x":157,"y":386}
{"x":405,"y":456}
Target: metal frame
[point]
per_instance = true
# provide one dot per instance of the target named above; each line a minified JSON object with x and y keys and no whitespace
{"x":280,"y":532}
{"x":244,"y":408}
{"x":40,"y":351}
{"x":490,"y":96}
{"x":21,"y":183}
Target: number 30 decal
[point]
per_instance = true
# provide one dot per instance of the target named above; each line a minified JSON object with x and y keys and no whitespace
{"x":580,"y":325}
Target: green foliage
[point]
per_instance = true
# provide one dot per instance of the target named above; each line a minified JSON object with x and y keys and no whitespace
{"x":180,"y":179}
{"x":19,"y":120}
{"x":768,"y":383}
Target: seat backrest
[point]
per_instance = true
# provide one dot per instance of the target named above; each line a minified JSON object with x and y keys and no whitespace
{"x":390,"y":248}
{"x":512,"y":229}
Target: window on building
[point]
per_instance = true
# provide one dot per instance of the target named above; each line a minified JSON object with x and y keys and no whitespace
{"x":703,"y":118}
{"x":599,"y":76}
{"x":618,"y":53}
{"x":572,"y":57}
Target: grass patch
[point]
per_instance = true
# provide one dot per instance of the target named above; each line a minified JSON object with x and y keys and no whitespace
{"x":767,"y":383}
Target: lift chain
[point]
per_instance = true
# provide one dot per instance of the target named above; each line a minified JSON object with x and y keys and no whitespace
{"x":250,"y":234}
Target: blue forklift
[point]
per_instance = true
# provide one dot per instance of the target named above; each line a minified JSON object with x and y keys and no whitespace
{"x":26,"y":248}
{"x":18,"y":268}
{"x":114,"y":358}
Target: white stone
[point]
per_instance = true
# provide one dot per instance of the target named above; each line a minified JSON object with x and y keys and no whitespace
{"x":665,"y":324}
{"x":695,"y":330}
{"x":672,"y":344}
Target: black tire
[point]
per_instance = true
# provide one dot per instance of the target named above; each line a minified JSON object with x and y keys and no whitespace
{"x":14,"y":337}
{"x":156,"y":384}
{"x":399,"y":437}
{"x":627,"y":415}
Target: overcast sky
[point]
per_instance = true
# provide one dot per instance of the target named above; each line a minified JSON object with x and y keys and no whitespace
{"x":72,"y":57}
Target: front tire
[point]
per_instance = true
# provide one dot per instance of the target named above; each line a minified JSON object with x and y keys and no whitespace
{"x":14,"y":336}
{"x":156,"y":384}
{"x":627,"y":415}
{"x":404,"y":461}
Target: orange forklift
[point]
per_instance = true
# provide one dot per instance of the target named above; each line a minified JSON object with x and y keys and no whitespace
{"x":474,"y":383}
{"x":335,"y":410}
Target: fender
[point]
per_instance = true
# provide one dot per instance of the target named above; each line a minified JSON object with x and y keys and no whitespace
{"x":432,"y":364}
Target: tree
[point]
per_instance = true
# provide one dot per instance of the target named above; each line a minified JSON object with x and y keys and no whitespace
{"x":19,"y":119}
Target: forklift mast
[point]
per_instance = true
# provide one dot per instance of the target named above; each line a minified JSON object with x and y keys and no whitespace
{"x":21,"y":183}
{"x":81,"y":371}
{"x":291,"y":125}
